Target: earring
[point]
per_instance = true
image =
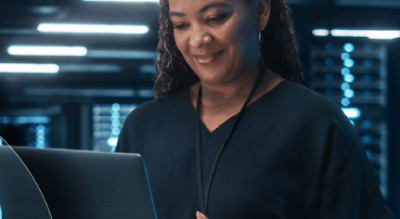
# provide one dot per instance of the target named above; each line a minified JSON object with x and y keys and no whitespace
{"x":261,"y":56}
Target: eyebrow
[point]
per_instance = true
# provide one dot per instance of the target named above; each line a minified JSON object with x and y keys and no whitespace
{"x":202,"y":10}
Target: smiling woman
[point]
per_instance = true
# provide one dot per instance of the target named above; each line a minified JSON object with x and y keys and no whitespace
{"x":280,"y":53}
{"x":233,"y":133}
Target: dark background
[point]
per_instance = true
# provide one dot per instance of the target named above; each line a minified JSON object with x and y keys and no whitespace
{"x":69,"y":97}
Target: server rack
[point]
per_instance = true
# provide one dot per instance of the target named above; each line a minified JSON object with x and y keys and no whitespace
{"x":353,"y":73}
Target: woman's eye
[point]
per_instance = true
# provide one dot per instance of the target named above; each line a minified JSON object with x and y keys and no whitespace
{"x":180,"y":26}
{"x":217,"y":19}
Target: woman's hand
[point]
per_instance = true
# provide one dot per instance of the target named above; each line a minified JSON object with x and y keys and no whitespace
{"x":200,"y":215}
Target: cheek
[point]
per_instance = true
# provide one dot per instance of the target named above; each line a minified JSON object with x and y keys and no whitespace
{"x":244,"y":40}
{"x":179,"y":41}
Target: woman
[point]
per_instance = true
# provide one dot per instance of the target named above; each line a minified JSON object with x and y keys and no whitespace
{"x":233,"y":134}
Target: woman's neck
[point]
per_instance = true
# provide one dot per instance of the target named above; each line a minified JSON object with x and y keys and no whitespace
{"x":236,"y":91}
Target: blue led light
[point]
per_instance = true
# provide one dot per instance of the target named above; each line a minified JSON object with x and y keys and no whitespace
{"x":114,"y":117}
{"x":348,"y":47}
{"x":115,"y":107}
{"x":40,"y":136}
{"x":366,"y":139}
{"x":329,"y":46}
{"x":345,"y":86}
{"x":1,"y":213}
{"x":349,"y":93}
{"x":115,"y":126}
{"x":366,"y":124}
{"x":345,"y":56}
{"x":115,"y":122}
{"x":112,"y":141}
{"x":345,"y":71}
{"x":349,"y":78}
{"x":367,"y":62}
{"x":38,"y":145}
{"x":329,"y":62}
{"x":368,"y":153}
{"x":348,"y":63}
{"x":345,"y":102}
{"x":116,"y":131}
{"x":352,"y":113}
{"x":115,"y":114}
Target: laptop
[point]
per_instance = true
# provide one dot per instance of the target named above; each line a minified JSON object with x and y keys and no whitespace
{"x":86,"y":184}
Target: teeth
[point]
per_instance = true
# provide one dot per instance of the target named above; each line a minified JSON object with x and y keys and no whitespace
{"x":204,"y":59}
{"x":207,"y":59}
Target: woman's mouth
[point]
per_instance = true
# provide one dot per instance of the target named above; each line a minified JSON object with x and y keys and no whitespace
{"x":207,"y":58}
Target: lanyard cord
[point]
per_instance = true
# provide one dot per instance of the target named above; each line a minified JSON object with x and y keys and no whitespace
{"x":201,"y":194}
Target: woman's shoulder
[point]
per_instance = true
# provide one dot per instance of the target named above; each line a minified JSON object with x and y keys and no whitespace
{"x":305,"y":100}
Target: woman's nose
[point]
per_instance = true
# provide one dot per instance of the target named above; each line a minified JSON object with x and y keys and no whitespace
{"x":199,"y":38}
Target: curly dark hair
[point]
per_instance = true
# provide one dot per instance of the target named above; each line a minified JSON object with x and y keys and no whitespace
{"x":280,"y":51}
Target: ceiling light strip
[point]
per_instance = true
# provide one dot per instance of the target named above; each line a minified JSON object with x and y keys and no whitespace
{"x":31,"y":50}
{"x":371,"y":34}
{"x":92,"y":28}
{"x":29,"y":68}
{"x":122,"y":54}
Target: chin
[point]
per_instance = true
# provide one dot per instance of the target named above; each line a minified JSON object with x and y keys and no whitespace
{"x":214,"y":78}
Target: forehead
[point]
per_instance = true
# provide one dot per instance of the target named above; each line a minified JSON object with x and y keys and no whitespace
{"x":194,"y":5}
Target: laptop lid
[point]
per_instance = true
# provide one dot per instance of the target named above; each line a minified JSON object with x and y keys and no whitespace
{"x":20,"y":197}
{"x":87,"y":184}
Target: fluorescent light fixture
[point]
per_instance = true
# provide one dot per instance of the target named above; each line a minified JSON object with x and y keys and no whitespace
{"x":320,"y":32}
{"x":352,"y":113}
{"x":30,"y":50}
{"x":92,"y":28}
{"x":47,"y":10}
{"x":122,"y":54}
{"x":28,"y":68}
{"x":90,"y":68}
{"x":371,"y":34}
{"x":148,"y":69}
{"x":138,"y":1}
{"x":81,"y":92}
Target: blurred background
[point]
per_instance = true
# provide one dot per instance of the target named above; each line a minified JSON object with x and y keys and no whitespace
{"x":72,"y":70}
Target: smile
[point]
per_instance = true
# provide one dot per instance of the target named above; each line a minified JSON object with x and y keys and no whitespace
{"x":207,"y":58}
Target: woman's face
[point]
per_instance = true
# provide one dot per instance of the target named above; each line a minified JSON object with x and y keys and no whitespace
{"x":217,"y":38}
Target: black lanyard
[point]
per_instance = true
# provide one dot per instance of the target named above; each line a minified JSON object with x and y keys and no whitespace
{"x":203,"y":196}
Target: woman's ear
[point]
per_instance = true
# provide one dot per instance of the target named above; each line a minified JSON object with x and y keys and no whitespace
{"x":264,"y":11}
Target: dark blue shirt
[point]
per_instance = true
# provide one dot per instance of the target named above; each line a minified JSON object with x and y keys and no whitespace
{"x":294,"y":154}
